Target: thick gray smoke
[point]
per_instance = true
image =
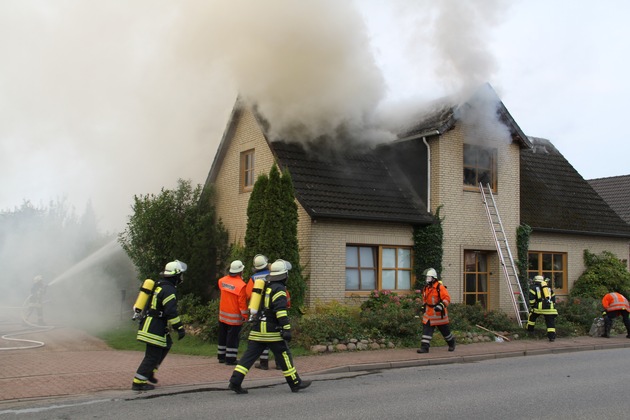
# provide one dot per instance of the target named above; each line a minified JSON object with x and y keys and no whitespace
{"x":107,"y":99}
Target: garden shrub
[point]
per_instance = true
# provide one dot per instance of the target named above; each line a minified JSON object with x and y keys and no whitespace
{"x":202,"y":319}
{"x":326,"y":323}
{"x":604,"y":273}
{"x":388,"y":315}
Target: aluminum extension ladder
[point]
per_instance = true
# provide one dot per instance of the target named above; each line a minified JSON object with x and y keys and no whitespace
{"x":503,"y":249}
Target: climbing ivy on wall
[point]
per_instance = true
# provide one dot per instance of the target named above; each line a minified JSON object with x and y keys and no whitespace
{"x":523,"y":232}
{"x":428,"y":248}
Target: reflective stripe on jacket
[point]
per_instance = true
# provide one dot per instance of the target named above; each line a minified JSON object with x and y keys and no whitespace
{"x":431,"y":296}
{"x":615,"y":302}
{"x":233,"y":303}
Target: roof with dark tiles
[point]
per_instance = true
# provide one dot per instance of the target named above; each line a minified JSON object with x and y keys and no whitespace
{"x":615,"y":190}
{"x":349,"y":185}
{"x":555,"y":197}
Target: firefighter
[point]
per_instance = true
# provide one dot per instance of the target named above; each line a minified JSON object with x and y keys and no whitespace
{"x":615,"y":304}
{"x":232,"y":312}
{"x":271,"y":329}
{"x":154,"y":327}
{"x":36,"y":299}
{"x":542,"y":301}
{"x":435,"y":299}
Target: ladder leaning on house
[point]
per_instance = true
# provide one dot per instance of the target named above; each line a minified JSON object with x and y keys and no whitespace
{"x":503,"y":249}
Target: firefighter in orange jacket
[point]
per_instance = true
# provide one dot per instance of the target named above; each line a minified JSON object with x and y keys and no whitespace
{"x":232,"y":313}
{"x":615,"y":304}
{"x":435,"y":301}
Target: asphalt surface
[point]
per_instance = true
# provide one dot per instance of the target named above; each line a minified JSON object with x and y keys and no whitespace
{"x":61,"y":363}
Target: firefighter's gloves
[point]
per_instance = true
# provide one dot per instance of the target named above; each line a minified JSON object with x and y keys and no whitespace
{"x":181,"y":333}
{"x":423,"y":308}
{"x":286,"y":335}
{"x":439,"y":307}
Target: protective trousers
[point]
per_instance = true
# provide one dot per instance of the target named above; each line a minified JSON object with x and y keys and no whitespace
{"x":153,"y":358}
{"x":227,"y":349}
{"x":427,"y":335}
{"x":610,"y":316}
{"x":550,"y":321}
{"x":281,"y":353}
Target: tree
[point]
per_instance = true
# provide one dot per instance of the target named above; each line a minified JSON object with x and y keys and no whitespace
{"x":177,"y":224}
{"x":272,"y":227}
{"x":604,"y":273}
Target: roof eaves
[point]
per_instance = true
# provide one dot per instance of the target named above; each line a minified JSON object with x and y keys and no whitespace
{"x":223,"y":145}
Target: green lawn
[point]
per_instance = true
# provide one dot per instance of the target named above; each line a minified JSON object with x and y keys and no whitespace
{"x":123,"y":337}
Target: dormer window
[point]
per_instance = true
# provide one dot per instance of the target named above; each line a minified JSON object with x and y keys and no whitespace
{"x":480,"y":165}
{"x":247,"y":170}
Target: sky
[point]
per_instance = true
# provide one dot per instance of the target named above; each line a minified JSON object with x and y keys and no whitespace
{"x":101,"y":101}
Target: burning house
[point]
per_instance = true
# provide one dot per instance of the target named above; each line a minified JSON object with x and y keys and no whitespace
{"x":357,"y":207}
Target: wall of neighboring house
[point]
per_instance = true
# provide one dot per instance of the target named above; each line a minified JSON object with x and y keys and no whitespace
{"x":574,"y":246}
{"x":465,"y":221}
{"x":231,"y":202}
{"x":327,"y":254}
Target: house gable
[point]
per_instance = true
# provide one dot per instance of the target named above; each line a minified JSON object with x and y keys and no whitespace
{"x":615,"y":191}
{"x":555,"y":197}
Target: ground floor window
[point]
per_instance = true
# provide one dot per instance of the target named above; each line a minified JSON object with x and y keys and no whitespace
{"x":476,"y":275}
{"x":378,"y":267}
{"x":550,"y":265}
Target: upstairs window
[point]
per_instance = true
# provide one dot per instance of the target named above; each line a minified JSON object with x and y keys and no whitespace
{"x":247,"y":170}
{"x":480,"y":166}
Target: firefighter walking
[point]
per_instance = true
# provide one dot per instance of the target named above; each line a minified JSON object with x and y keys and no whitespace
{"x":261,"y":271}
{"x":542,"y":301}
{"x":615,"y":304}
{"x":271,"y":328}
{"x":232,"y":312}
{"x":154,"y":325}
{"x":435,"y":299}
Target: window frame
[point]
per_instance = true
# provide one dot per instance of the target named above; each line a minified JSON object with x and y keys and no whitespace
{"x":549,"y":273}
{"x":377,"y":251}
{"x":246,"y":170}
{"x":493,"y":168}
{"x":477,"y":272}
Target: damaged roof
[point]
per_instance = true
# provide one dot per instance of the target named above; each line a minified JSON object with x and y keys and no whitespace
{"x":555,"y":197}
{"x":349,"y":185}
{"x":615,"y":190}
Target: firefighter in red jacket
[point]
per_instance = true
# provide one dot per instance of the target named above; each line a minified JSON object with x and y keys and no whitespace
{"x":435,"y":301}
{"x":232,"y":313}
{"x":615,"y":304}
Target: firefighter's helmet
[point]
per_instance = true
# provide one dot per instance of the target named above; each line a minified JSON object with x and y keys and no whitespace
{"x":38,"y":279}
{"x":431,"y":276}
{"x":174,"y":268}
{"x":236,"y":267}
{"x":279,"y":270}
{"x":260,"y":262}
{"x":539,"y":278}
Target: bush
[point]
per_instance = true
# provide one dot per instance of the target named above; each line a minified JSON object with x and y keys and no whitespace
{"x":326,"y":323}
{"x":466,"y":317}
{"x":388,"y":315}
{"x":200,"y":319}
{"x":604,"y":273}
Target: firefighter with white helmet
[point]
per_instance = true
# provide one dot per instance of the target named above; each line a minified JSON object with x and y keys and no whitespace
{"x":232,"y":312}
{"x":255,"y":287}
{"x":436,"y":299}
{"x":542,"y":301}
{"x":154,"y":327}
{"x":271,"y":329}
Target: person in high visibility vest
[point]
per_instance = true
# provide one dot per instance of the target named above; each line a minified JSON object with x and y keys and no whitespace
{"x":154,"y":327}
{"x":615,"y":304}
{"x":435,"y":299}
{"x":261,"y":271}
{"x":271,"y":329}
{"x":542,"y":301}
{"x":232,"y":312}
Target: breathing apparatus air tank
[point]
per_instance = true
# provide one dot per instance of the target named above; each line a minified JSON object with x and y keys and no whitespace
{"x":143,"y":297}
{"x":255,"y":300}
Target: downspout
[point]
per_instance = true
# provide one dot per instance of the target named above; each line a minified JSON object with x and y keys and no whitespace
{"x":424,"y":140}
{"x":423,"y":136}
